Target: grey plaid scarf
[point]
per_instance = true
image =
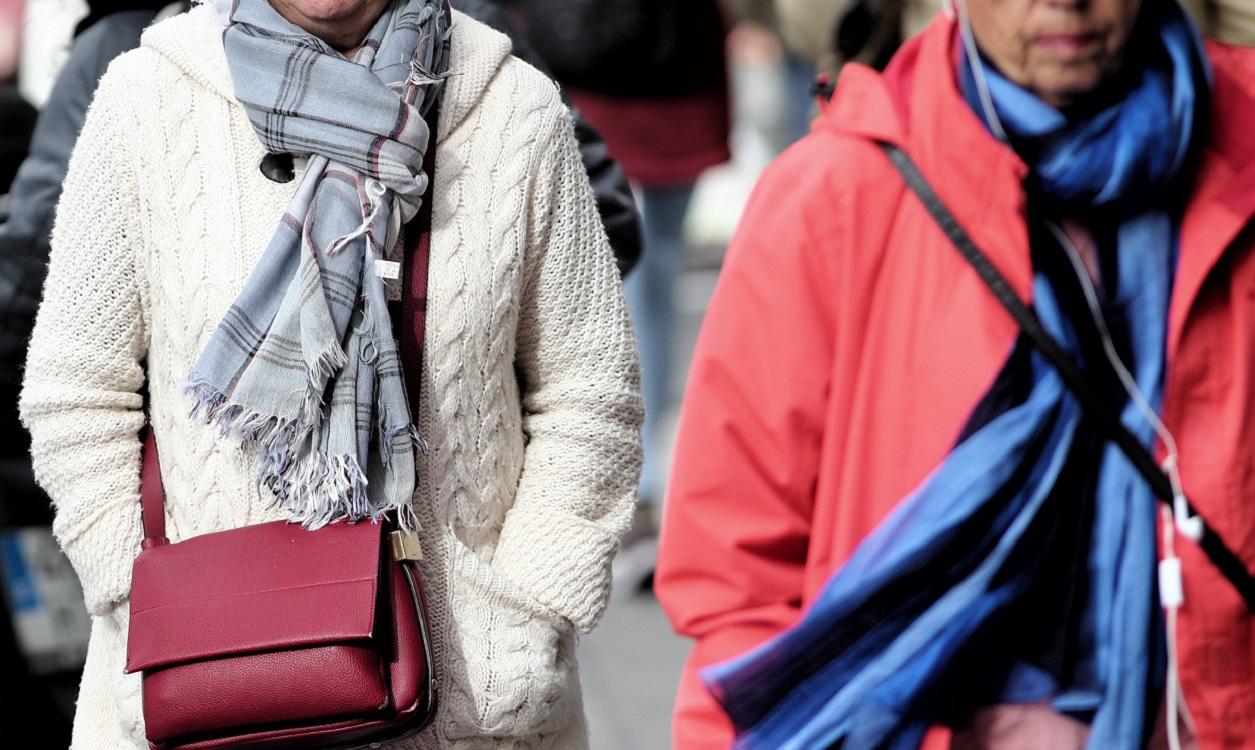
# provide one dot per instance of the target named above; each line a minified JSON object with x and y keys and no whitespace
{"x":303,"y":369}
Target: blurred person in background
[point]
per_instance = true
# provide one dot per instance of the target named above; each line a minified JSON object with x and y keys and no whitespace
{"x":16,"y":113}
{"x":886,"y":495}
{"x":819,"y":36}
{"x":652,"y":78}
{"x":530,"y":388}
{"x":1229,"y":21}
{"x":798,"y":67}
{"x":47,"y":32}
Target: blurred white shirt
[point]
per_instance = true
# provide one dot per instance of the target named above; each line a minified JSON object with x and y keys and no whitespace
{"x":47,"y":31}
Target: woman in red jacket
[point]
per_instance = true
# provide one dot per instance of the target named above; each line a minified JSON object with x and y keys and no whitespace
{"x":855,"y":378}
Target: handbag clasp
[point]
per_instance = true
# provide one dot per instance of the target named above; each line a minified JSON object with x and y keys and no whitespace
{"x":406,"y":546}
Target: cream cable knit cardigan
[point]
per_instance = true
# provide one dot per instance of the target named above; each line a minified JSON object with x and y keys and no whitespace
{"x":530,"y":387}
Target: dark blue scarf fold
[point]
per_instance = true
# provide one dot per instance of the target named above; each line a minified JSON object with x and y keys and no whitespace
{"x":1022,"y":569}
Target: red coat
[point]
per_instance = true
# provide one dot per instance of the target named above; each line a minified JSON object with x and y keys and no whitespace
{"x":847,"y":343}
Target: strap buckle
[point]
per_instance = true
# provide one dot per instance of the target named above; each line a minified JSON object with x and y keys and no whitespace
{"x":406,"y":546}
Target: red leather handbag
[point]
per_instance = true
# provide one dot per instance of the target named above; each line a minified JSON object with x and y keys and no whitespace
{"x":272,"y":636}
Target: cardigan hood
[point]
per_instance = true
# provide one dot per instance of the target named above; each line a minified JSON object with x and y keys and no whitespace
{"x":193,"y":42}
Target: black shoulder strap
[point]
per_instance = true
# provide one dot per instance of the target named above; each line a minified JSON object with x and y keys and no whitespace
{"x":1221,"y":556}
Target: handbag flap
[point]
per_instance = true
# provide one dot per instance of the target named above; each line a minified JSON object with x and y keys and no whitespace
{"x":254,"y":589}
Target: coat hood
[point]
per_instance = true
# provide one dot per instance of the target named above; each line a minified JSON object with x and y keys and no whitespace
{"x":192,"y":41}
{"x":916,"y":104}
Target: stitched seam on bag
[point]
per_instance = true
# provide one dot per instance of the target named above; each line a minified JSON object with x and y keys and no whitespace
{"x":251,"y":593}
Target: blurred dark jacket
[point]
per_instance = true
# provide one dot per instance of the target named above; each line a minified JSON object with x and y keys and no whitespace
{"x":677,"y":124}
{"x":24,"y":238}
{"x":18,"y":118}
{"x":98,"y":10}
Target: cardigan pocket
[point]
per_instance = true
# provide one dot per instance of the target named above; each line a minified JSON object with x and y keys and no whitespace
{"x":513,"y":660}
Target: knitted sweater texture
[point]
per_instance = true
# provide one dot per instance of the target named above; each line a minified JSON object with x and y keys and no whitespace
{"x":530,"y":396}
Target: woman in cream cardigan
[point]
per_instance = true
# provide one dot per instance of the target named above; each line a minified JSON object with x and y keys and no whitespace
{"x":529,"y":409}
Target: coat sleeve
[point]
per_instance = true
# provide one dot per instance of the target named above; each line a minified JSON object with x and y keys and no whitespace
{"x":615,"y":202}
{"x":24,"y":238}
{"x":580,"y":392}
{"x":80,"y":396}
{"x":738,"y":512}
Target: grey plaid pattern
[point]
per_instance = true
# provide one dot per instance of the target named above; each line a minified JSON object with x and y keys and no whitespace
{"x":303,"y":369}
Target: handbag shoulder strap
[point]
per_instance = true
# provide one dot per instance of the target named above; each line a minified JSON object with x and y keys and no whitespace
{"x":152,"y":493}
{"x":412,"y":327}
{"x":1108,"y":421}
{"x":410,"y":334}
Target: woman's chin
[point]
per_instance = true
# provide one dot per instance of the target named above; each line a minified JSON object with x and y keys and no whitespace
{"x":1065,"y":86}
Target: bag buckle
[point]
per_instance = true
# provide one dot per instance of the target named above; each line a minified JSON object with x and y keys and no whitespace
{"x":406,"y":546}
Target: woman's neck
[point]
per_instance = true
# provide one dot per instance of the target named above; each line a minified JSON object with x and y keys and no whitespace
{"x":342,"y":24}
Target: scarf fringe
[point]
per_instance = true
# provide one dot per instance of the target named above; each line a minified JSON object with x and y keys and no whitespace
{"x":328,"y":362}
{"x":323,"y":489}
{"x":319,"y":488}
{"x":389,"y":435}
{"x":421,"y":76}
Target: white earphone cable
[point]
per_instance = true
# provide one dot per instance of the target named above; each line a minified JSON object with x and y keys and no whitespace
{"x":978,"y":72}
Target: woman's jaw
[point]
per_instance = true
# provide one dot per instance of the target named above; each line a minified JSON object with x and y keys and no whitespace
{"x":1060,"y":50}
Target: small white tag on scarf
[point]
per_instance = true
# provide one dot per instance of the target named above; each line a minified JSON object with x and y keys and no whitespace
{"x":387,"y":269}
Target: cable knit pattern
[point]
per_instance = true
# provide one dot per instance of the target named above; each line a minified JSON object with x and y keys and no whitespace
{"x":530,"y":387}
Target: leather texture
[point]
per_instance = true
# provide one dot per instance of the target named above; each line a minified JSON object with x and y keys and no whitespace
{"x":409,"y":667}
{"x":300,"y":652}
{"x":152,"y":492}
{"x":272,"y":586}
{"x":335,"y":681}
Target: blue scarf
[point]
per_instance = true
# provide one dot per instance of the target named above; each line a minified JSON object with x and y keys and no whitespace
{"x":1022,"y":569}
